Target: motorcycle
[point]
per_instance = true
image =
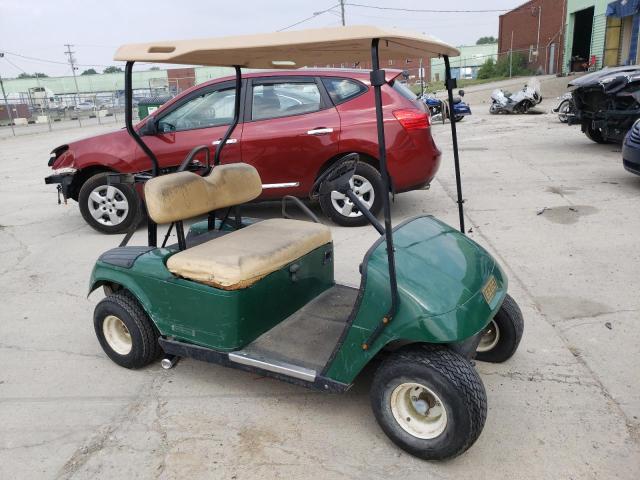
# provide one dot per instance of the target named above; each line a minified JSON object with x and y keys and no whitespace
{"x":440,"y":111}
{"x":519,"y":102}
{"x":565,"y":107}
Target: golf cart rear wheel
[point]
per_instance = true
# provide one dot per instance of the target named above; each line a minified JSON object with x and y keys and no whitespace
{"x":429,"y":401}
{"x":500,"y":339}
{"x":367,"y":185}
{"x":125,"y":332}
{"x":107,"y":208}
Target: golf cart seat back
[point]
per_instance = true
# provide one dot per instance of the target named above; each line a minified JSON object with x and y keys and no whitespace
{"x":182,"y":195}
{"x":239,"y":259}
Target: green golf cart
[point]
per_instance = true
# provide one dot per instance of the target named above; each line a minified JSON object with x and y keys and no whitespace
{"x":260,"y":296}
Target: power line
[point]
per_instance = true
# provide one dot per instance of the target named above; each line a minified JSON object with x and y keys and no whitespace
{"x":44,"y":60}
{"x":315,"y":14}
{"x":420,"y":10}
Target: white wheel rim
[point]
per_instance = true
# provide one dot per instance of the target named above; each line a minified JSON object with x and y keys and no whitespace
{"x":363,"y":190}
{"x":490,"y":337}
{"x":117,"y":335}
{"x":418,"y":410}
{"x":108,"y":205}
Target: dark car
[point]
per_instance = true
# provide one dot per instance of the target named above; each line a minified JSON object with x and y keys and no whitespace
{"x":294,"y":125}
{"x":631,"y":149}
{"x":607,"y":102}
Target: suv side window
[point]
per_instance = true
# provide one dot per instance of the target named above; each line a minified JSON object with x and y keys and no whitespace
{"x":275,"y":100}
{"x":210,"y":109}
{"x":343,"y":89}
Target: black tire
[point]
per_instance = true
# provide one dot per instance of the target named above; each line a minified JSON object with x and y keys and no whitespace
{"x":564,"y":108}
{"x":144,"y":347}
{"x":123,"y":193}
{"x":595,"y":135}
{"x":504,"y":333}
{"x":371,"y":175}
{"x":447,"y":374}
{"x":459,"y":118}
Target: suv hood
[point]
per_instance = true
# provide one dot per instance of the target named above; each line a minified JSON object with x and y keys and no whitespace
{"x":602,"y":77}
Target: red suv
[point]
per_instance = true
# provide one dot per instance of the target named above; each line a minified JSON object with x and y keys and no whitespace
{"x":294,"y":125}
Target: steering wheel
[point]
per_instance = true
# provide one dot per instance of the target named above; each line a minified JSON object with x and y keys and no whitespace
{"x":190,"y":159}
{"x":337,"y":178}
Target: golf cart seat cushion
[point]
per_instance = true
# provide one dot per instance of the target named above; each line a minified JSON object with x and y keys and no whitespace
{"x":241,"y":258}
{"x":182,"y":195}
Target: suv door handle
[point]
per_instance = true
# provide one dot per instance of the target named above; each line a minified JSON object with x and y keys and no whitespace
{"x":319,"y":131}
{"x":229,"y":140}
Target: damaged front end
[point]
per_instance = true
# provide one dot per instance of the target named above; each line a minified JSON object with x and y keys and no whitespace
{"x":607,"y":103}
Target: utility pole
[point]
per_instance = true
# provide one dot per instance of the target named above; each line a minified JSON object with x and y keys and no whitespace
{"x":342,"y":12}
{"x":511,"y":54}
{"x":538,"y":41}
{"x":72,"y":62}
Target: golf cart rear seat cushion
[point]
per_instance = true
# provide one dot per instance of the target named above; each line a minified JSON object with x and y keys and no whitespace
{"x":182,"y":195}
{"x":241,"y":258}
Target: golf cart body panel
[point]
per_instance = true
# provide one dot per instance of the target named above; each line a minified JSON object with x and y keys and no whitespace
{"x":224,"y":320}
{"x":430,"y":257}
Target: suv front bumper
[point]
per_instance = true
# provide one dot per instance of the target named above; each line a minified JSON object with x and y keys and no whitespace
{"x":64,"y":181}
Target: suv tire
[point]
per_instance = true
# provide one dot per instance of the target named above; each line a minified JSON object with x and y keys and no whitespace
{"x":109,"y":209}
{"x":367,"y":185}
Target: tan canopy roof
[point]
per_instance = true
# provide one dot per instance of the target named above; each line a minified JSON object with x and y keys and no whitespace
{"x":293,"y":49}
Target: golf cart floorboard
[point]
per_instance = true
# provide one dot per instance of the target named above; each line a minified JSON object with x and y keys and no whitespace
{"x":308,"y":337}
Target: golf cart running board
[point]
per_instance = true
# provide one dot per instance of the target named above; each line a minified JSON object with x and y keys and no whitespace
{"x":255,"y":364}
{"x":273,"y":365}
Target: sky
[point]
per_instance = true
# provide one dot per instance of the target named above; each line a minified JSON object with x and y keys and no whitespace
{"x":40,"y":28}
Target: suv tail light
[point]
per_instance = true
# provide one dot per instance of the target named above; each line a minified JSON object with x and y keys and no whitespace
{"x":412,"y":119}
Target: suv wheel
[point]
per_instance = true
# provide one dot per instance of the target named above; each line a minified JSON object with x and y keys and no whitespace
{"x":367,"y":185}
{"x":108,"y":208}
{"x":595,"y":135}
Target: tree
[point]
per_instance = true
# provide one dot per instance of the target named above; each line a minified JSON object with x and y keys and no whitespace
{"x":90,"y":71}
{"x":487,"y":70}
{"x":486,"y":40}
{"x":32,"y":75}
{"x":112,"y":69}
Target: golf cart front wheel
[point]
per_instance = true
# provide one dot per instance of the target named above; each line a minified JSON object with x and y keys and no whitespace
{"x":430,"y":401}
{"x":125,"y":332}
{"x":500,"y":339}
{"x":366,"y":183}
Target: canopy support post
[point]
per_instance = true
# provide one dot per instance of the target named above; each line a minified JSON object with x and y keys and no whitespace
{"x":236,"y":117}
{"x":377,"y":80}
{"x":211,"y":218}
{"x":152,"y":228}
{"x":451,"y":84}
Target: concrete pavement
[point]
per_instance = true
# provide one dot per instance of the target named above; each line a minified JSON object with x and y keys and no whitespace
{"x":566,"y":406}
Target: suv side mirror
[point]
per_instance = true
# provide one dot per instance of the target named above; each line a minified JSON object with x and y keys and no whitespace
{"x":150,"y":127}
{"x":461,"y":93}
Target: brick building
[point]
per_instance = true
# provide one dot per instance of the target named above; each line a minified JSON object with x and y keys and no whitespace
{"x":180,"y":79}
{"x":535,"y":29}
